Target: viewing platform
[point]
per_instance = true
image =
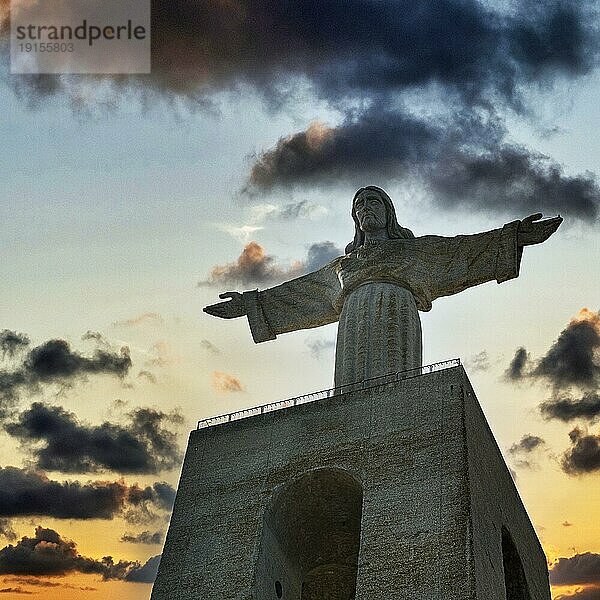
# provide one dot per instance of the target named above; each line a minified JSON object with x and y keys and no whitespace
{"x":328,"y":393}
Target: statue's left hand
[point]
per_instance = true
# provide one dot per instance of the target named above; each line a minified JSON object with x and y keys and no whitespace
{"x":533,"y":231}
{"x":231,"y":309}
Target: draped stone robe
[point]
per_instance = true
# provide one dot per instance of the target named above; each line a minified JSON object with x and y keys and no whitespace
{"x":376,"y":292}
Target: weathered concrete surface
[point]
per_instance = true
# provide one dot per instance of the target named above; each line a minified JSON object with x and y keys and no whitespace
{"x":436,"y":497}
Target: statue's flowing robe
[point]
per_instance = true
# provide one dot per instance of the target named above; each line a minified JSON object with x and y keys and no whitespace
{"x":376,"y":292}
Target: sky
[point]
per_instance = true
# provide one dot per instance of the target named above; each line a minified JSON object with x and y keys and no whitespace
{"x":129,"y":203}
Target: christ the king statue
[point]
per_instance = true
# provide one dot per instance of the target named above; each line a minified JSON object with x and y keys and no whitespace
{"x":376,"y":290}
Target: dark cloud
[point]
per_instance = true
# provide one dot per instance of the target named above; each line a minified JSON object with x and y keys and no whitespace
{"x":571,"y":367}
{"x":12,"y":342}
{"x":143,"y":502}
{"x":319,"y":346}
{"x":48,"y":553}
{"x":572,"y":359}
{"x":56,"y":362}
{"x":528,"y":443}
{"x":579,"y":569}
{"x":568,"y":409}
{"x":516,"y":369}
{"x":465,"y":163}
{"x":24,"y":492}
{"x":225,"y":383}
{"x":323,"y":153}
{"x":584,"y":454}
{"x":145,"y":573}
{"x":508,"y":178}
{"x":30,"y":493}
{"x":15,"y":590}
{"x":320,"y":254}
{"x":163,"y":495}
{"x":7,"y":531}
{"x":350,"y":48}
{"x":144,"y":445}
{"x":145,"y":537}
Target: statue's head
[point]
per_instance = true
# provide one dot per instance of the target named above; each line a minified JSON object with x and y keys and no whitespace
{"x":381,"y":215}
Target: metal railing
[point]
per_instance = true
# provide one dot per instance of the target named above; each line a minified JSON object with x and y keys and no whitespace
{"x":343,"y":389}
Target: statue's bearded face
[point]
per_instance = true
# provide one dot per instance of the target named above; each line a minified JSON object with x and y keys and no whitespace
{"x":370,"y":211}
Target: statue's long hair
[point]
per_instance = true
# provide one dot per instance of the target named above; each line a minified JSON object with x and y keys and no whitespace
{"x":394,"y":229}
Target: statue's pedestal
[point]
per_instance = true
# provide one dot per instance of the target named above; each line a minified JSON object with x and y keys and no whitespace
{"x":395,"y":492}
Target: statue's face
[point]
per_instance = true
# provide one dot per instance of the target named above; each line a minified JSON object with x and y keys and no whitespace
{"x":370,"y":211}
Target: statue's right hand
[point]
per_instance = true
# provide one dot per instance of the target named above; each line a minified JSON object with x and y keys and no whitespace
{"x":231,"y":309}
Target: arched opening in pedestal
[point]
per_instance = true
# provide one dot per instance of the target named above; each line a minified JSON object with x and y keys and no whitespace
{"x":311,"y":538}
{"x":515,"y":581}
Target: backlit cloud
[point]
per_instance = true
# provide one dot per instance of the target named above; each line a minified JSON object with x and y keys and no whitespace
{"x":255,"y":267}
{"x":579,"y":569}
{"x":516,"y":369}
{"x":226,"y":383}
{"x":48,"y":553}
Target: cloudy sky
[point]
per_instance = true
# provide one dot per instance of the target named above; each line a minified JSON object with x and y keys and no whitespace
{"x":128,"y":203}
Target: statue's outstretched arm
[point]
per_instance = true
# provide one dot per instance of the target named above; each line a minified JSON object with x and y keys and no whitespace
{"x":300,"y":303}
{"x":464,"y":261}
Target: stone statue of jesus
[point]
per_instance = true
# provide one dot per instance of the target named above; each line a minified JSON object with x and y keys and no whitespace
{"x":376,"y":290}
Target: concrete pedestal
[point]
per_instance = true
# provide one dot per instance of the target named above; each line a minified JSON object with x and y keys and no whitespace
{"x":392,"y":493}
